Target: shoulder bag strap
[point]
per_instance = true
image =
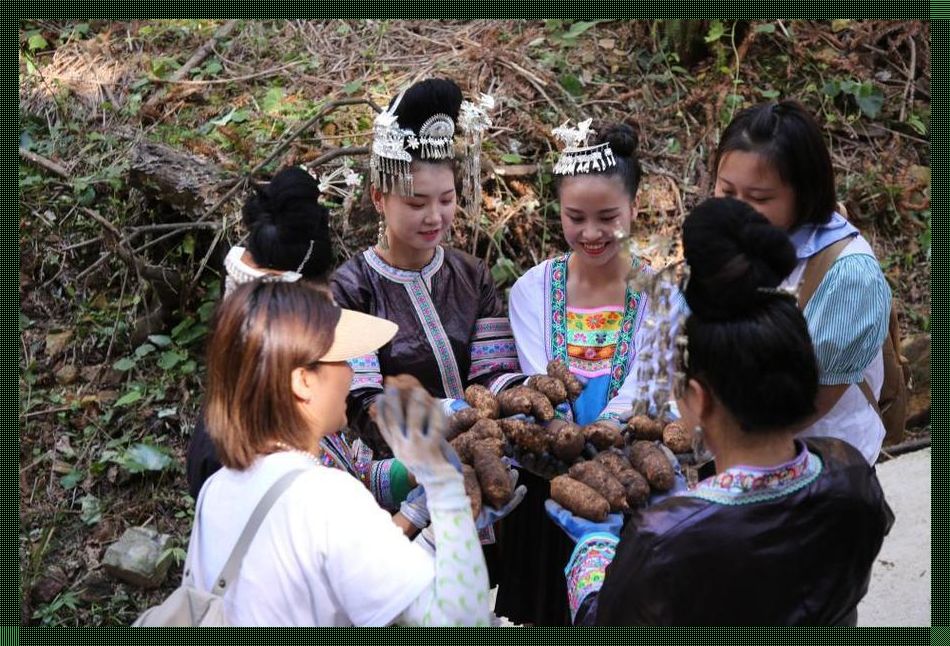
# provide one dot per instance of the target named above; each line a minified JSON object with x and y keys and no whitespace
{"x":233,"y":565}
{"x":816,"y":268}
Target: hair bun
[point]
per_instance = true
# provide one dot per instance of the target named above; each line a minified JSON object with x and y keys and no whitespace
{"x":732,"y":252}
{"x":623,"y":139}
{"x":427,"y":98}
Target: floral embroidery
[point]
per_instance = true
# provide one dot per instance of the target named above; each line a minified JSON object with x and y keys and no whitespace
{"x":561,"y":338}
{"x":487,"y":328}
{"x":586,"y":570}
{"x":743,"y":485}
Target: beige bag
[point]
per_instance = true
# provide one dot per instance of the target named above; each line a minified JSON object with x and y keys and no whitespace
{"x":189,"y":606}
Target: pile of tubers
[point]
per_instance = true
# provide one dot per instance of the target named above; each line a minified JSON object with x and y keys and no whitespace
{"x":593,"y":471}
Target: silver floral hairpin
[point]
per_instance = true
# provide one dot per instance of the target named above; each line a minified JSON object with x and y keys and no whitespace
{"x":577,"y":157}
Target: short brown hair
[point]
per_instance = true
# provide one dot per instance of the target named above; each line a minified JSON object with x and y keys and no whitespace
{"x":262,"y":332}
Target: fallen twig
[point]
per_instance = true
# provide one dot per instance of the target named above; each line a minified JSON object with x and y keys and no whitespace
{"x":339,"y":152}
{"x":516,"y":170}
{"x":43,"y":162}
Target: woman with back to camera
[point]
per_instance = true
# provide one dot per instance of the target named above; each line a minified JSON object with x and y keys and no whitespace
{"x":786,"y":531}
{"x":289,"y":240}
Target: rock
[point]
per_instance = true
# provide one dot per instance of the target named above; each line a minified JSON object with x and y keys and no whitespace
{"x":56,"y":342}
{"x":917,"y":351}
{"x":67,"y":375}
{"x":95,"y":586}
{"x":52,"y":583}
{"x":136,"y":557}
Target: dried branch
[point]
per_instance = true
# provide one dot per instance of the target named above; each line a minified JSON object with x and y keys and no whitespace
{"x":44,"y":163}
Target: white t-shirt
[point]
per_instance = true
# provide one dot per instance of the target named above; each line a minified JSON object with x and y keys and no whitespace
{"x":325,"y":555}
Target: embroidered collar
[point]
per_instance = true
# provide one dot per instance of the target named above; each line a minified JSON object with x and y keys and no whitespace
{"x":404,"y":275}
{"x":745,"y":484}
{"x":809,"y":239}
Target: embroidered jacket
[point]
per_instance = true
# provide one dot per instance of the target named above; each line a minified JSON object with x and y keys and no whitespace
{"x":453,"y":331}
{"x":792,"y":545}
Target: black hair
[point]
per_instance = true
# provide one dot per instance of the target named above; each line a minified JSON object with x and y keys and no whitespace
{"x":624,"y":143}
{"x":786,"y":136}
{"x":750,"y":347}
{"x":282,"y":218}
{"x":423,"y":100}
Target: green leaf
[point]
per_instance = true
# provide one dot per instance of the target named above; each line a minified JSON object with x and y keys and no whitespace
{"x":212,"y":67}
{"x":188,"y":245}
{"x":192,"y":334}
{"x":511,"y":158}
{"x":572,"y":84}
{"x":124,"y":364}
{"x":25,"y":321}
{"x":206,"y":311}
{"x":142,"y":457}
{"x":144,"y":349}
{"x":504,"y":271}
{"x":170,"y":359}
{"x":769,"y":94}
{"x":240,"y":116}
{"x":767,"y":28}
{"x":225,"y":120}
{"x":832,"y":88}
{"x":914,"y":122}
{"x":36,"y":42}
{"x":129,"y":398}
{"x":188,"y":367}
{"x":91,"y":510}
{"x":716,"y":31}
{"x":272,"y":101}
{"x":179,"y":329}
{"x":352,"y":87}
{"x":579,"y":28}
{"x":160,"y":340}
{"x":71,"y":479}
{"x":870,"y":99}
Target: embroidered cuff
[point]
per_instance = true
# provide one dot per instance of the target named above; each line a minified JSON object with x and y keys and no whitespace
{"x":586,"y":568}
{"x":380,"y":484}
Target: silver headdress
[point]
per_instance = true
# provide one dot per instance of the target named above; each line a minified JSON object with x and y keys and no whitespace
{"x":390,"y":162}
{"x":577,"y":156}
{"x":474,"y":120}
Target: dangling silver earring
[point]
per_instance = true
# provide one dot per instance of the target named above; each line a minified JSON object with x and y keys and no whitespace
{"x":447,"y":239}
{"x":381,"y":240}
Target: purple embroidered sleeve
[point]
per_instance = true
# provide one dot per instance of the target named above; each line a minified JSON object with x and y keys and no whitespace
{"x":366,"y":372}
{"x":494,"y":354}
{"x":585,"y":571}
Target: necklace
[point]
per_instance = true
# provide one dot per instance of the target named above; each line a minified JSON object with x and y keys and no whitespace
{"x":313,"y":457}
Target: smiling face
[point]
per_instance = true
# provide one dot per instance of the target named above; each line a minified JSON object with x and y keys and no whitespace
{"x":747,"y":176}
{"x":593,"y":209}
{"x":418,"y":222}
